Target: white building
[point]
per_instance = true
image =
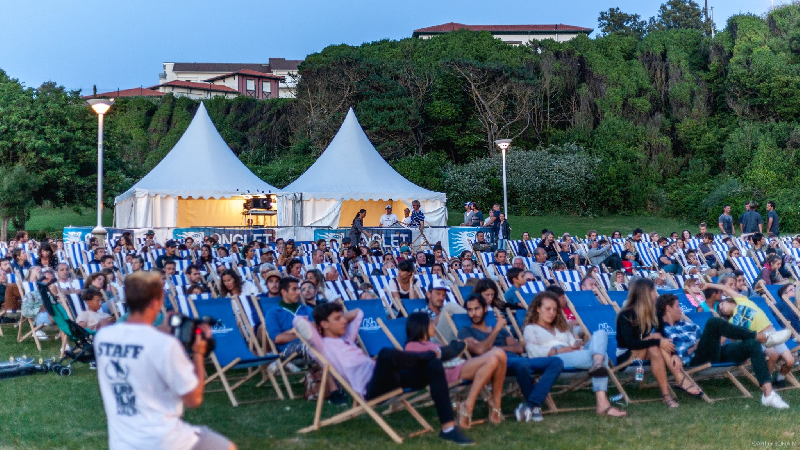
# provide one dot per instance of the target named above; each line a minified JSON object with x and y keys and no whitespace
{"x":511,"y":34}
{"x":202,"y":72}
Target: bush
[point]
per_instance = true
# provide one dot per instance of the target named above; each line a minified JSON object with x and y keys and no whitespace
{"x":552,"y":179}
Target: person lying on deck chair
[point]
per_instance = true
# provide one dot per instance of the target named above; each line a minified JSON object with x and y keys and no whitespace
{"x":334,"y":333}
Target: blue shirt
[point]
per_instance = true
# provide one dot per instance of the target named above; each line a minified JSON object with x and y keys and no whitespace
{"x":684,"y":335}
{"x":279,"y":319}
{"x":511,"y":295}
{"x":417,"y":217}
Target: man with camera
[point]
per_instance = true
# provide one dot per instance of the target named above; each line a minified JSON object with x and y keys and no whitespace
{"x":146,"y":377}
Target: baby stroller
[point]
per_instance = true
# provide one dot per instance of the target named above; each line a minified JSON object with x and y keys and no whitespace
{"x":82,"y":348}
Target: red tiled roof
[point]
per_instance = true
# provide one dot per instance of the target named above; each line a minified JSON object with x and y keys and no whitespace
{"x":218,"y":67}
{"x":135,"y":92}
{"x":252,"y":73}
{"x":284,"y":64}
{"x":452,"y":26}
{"x":193,"y":85}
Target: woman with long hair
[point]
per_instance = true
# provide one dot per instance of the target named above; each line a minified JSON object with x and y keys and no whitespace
{"x":47,"y":259}
{"x":488,"y":289}
{"x":315,"y":276}
{"x":547,"y":334}
{"x":206,"y":255}
{"x":405,"y":285}
{"x":358,"y":227}
{"x":289,"y":252}
{"x":233,"y":286}
{"x":486,"y":369}
{"x":636,"y":336}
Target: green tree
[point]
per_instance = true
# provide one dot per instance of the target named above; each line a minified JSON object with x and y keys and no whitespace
{"x":615,"y":21}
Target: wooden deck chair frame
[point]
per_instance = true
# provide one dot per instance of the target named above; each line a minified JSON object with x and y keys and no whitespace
{"x":220,"y":372}
{"x":267,"y":343}
{"x":360,"y":405}
{"x":33,"y":328}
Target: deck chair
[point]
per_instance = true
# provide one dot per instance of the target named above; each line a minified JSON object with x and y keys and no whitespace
{"x":28,"y":289}
{"x":82,"y":349}
{"x":749,"y":267}
{"x":360,"y":404}
{"x":261,"y":305}
{"x":231,"y":351}
{"x":412,"y":305}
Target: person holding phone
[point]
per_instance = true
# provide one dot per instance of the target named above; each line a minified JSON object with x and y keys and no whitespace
{"x":547,"y":333}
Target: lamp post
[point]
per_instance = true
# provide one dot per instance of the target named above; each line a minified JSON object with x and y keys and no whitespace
{"x":100,"y":106}
{"x":503,"y":145}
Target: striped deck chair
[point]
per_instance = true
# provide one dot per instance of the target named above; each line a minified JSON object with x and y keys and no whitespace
{"x":338,"y":267}
{"x":231,"y":351}
{"x":425,"y":279}
{"x":181,"y":265}
{"x":571,"y":286}
{"x":89,"y":269}
{"x":179,"y":280}
{"x":308,"y":248}
{"x":368,"y":269}
{"x":567,"y":276}
{"x":693,"y":243}
{"x":76,"y":305}
{"x":75,"y":254}
{"x":749,"y":267}
{"x":28,"y":288}
{"x":646,"y":255}
{"x":463,"y":277}
{"x":344,"y":289}
{"x":449,"y":298}
{"x":245,"y":272}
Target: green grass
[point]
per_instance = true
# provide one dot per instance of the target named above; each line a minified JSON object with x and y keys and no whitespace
{"x":58,"y":218}
{"x":48,"y":411}
{"x":578,"y":226}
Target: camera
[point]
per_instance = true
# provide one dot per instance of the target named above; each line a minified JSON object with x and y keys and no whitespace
{"x":186,"y":330}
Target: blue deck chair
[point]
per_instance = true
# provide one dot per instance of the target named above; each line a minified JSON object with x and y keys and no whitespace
{"x":231,"y":351}
{"x":372,"y":337}
{"x":413,"y":304}
{"x":749,"y":267}
{"x":261,"y":304}
{"x":618,"y":297}
{"x":465,"y":291}
{"x":583,"y":298}
{"x":789,"y":314}
{"x":772,"y":314}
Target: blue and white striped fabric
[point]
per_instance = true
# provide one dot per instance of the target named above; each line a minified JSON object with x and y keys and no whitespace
{"x":532,"y":287}
{"x":466,"y":276}
{"x":567,"y":276}
{"x":90,"y":269}
{"x":749,"y":267}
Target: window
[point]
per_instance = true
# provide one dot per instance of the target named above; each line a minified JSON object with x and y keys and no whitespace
{"x":266,"y":86}
{"x":251,"y":85}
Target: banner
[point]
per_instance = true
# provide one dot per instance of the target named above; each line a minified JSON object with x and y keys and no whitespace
{"x":389,"y":237}
{"x":226,"y":235}
{"x":461,"y":238}
{"x":82,"y":234}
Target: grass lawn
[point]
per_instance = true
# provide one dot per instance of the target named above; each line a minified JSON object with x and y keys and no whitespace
{"x":578,"y":226}
{"x":48,"y":411}
{"x":58,"y":218}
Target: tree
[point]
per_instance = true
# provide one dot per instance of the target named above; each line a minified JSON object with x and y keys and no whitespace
{"x":16,"y":197}
{"x":615,"y":21}
{"x":681,"y":14}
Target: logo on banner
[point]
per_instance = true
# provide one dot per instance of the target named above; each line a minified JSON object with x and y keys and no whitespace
{"x":329,"y":234}
{"x":460,"y":239}
{"x":183,"y":234}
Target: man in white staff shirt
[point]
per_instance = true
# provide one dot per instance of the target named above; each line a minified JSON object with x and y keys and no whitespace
{"x":388,"y":219}
{"x":146,"y":377}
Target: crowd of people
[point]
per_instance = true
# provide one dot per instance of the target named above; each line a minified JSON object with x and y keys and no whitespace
{"x":717,"y":274}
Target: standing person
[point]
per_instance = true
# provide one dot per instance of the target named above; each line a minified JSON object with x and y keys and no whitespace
{"x":502,"y":230}
{"x":726,"y":221}
{"x":494,"y":215}
{"x":477,"y":215}
{"x":388,"y":219}
{"x":358,"y":227}
{"x":146,"y":378}
{"x":467,"y":215}
{"x":417,"y":216}
{"x":751,"y":221}
{"x":773,"y":228}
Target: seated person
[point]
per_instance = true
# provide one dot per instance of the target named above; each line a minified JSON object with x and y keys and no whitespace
{"x":97,"y":254}
{"x":630,"y":254}
{"x":707,"y":251}
{"x":93,"y":318}
{"x":484,"y":370}
{"x":481,"y":244}
{"x":733,"y":252}
{"x":741,"y":284}
{"x":694,"y":292}
{"x":667,"y":261}
{"x":567,"y":256}
{"x":770,"y":274}
{"x":588,"y":284}
{"x":271,"y":281}
{"x":308,"y":293}
{"x":696,"y":266}
{"x":619,"y":281}
{"x":278,"y":320}
{"x":759,"y":248}
{"x":33,"y":308}
{"x":661,"y":281}
{"x":549,"y":245}
{"x":194,"y":277}
{"x":500,"y":259}
{"x":788,"y":307}
{"x":421,"y":259}
{"x":334,"y":333}
{"x":547,"y":333}
{"x":405,"y":285}
{"x":541,"y":265}
{"x":693,"y":348}
{"x":516,"y":279}
{"x":481,"y":338}
{"x":600,"y":253}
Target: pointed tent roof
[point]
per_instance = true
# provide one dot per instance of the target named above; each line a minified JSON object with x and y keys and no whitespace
{"x":351,"y":169}
{"x":201,"y":165}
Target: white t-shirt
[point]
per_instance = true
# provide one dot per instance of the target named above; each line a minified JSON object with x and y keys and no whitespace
{"x":143,"y":373}
{"x":91,"y":318}
{"x":388,"y":220}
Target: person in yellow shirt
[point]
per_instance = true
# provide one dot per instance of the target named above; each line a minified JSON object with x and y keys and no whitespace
{"x":741,"y":311}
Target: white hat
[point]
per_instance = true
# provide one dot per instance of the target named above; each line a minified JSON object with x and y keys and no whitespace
{"x":388,"y":207}
{"x":439,"y":284}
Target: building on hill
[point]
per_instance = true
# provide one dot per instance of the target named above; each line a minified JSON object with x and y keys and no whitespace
{"x":250,"y":83}
{"x":195,"y":90}
{"x":205,"y":72}
{"x":135,"y":92}
{"x":511,"y":34}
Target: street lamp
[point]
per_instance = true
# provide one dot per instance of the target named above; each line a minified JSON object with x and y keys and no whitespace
{"x":503,"y":145}
{"x":100,"y":106}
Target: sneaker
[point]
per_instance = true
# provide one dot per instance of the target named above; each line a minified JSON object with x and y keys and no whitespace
{"x":523,"y":413}
{"x":774,"y":400}
{"x":777,"y":338}
{"x":41,"y":336}
{"x":93,"y":366}
{"x":338,"y":398}
{"x":536,"y":415}
{"x":292,"y":368}
{"x":456,"y":436}
{"x":453,"y":349}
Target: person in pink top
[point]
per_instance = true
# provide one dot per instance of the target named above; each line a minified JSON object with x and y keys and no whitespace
{"x":334,"y":333}
{"x":488,"y":368}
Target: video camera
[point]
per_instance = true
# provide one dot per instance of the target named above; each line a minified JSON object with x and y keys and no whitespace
{"x":186,"y":329}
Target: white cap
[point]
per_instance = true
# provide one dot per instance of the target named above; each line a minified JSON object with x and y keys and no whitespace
{"x":439,"y":284}
{"x":388,"y":207}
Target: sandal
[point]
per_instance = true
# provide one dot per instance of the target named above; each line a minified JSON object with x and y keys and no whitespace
{"x":495,"y":414}
{"x":598,"y":371}
{"x":679,"y":386}
{"x":669,"y":401}
{"x":607,"y":412}
{"x":464,"y":417}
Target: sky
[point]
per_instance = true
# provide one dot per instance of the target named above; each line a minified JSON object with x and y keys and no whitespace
{"x":122,"y":44}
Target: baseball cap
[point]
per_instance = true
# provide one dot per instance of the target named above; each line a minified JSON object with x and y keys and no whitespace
{"x":272,"y":273}
{"x":468,"y":204}
{"x":171,"y":243}
{"x":347,"y":240}
{"x":439,"y":284}
{"x":404,"y":249}
{"x":150,"y":233}
{"x":388,"y":207}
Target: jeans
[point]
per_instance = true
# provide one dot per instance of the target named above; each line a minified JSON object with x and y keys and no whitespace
{"x":613,"y":261}
{"x":42,"y":319}
{"x":523,"y":369}
{"x":501,"y":244}
{"x":395,"y":368}
{"x":710,"y":350}
{"x":583,"y":359}
{"x":673,"y":268}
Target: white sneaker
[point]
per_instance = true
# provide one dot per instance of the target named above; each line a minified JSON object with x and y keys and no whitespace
{"x":777,"y":338}
{"x":774,"y":400}
{"x":41,"y":336}
{"x":523,"y":413}
{"x":292,"y":368}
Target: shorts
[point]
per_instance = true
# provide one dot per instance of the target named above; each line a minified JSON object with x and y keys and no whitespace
{"x":208,"y":439}
{"x":298,"y":347}
{"x":778,"y":348}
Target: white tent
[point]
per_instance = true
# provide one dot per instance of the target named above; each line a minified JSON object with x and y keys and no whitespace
{"x":199,"y":183}
{"x":350,"y":175}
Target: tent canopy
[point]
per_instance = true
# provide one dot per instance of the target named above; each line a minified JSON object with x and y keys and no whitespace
{"x":349,"y":175}
{"x":200,"y":167}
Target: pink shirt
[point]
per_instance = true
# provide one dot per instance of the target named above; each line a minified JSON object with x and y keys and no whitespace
{"x":344,"y":355}
{"x":452,"y":374}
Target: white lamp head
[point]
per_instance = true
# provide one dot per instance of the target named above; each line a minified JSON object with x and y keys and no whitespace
{"x":100,"y":105}
{"x":502,"y":143}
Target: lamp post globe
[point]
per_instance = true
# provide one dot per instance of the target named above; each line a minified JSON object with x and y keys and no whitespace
{"x":503,"y":144}
{"x":100,"y":106}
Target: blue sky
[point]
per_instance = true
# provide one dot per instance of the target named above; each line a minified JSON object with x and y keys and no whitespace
{"x":121,"y":44}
